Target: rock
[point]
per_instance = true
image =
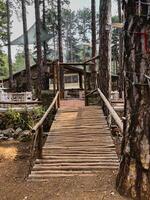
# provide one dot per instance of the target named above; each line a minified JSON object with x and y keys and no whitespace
{"x":112,"y":193}
{"x":25,"y":136}
{"x":4,"y":138}
{"x":11,"y":139}
{"x":18,"y":130}
{"x":8,"y":132}
{"x":1,"y":135}
{"x":17,"y":133}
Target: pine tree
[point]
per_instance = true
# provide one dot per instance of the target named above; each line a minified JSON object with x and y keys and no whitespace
{"x":84,"y":28}
{"x":134,"y":173}
{"x":8,"y":2}
{"x":26,"y":47}
{"x":3,"y":29}
{"x":121,"y":77}
{"x":39,"y":48}
{"x":105,"y":49}
{"x":93,"y":28}
{"x":60,"y":48}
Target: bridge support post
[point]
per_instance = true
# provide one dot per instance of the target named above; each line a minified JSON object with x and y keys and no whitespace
{"x":54,"y":83}
{"x":40,"y":142}
{"x":58,"y":82}
{"x":80,"y":81}
{"x":85,"y":86}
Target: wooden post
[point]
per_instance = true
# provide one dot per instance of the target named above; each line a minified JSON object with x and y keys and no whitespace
{"x":54,"y":84}
{"x":40,"y":142}
{"x":60,"y":46}
{"x":54,"y":79}
{"x":58,"y":82}
{"x":80,"y":81}
{"x":85,"y":86}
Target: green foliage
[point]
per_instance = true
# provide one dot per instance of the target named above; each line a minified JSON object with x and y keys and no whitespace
{"x":84,"y":24}
{"x":24,"y":120}
{"x":115,"y":19}
{"x":3,"y":28}
{"x":13,"y":117}
{"x":37,"y":113}
{"x":4,"y":66}
{"x":76,"y":28}
{"x":3,"y":21}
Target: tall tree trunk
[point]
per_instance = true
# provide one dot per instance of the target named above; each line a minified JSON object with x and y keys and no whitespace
{"x":93,"y":27}
{"x":39,"y":49}
{"x":9,"y":45}
{"x":60,"y":48}
{"x":105,"y":49}
{"x":121,"y":76}
{"x":26,"y":47}
{"x":44,"y":27}
{"x":134,"y":173}
{"x":54,"y":31}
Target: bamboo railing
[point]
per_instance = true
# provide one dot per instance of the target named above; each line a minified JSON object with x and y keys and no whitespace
{"x":113,"y":113}
{"x":37,"y":130}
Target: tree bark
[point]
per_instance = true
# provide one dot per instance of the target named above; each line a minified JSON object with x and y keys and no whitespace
{"x":39,"y":49}
{"x":134,"y":174}
{"x":26,"y":48}
{"x":9,"y":45}
{"x":105,"y":49}
{"x":44,"y":27}
{"x":93,"y":27}
{"x":60,"y":48}
{"x":121,"y":76}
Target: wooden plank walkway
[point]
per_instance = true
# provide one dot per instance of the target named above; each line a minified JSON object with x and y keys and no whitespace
{"x":79,"y":144}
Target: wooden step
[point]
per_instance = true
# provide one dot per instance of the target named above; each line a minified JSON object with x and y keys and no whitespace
{"x":40,"y":167}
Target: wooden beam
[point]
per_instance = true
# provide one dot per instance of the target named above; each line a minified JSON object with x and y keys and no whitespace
{"x":76,"y":64}
{"x":85,"y":86}
{"x":94,"y":58}
{"x":80,"y":81}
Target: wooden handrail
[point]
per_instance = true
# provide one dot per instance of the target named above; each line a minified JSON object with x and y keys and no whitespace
{"x":38,"y":128}
{"x":76,"y":64}
{"x":92,"y":92}
{"x":40,"y":123}
{"x":91,"y":59}
{"x":111,"y":110}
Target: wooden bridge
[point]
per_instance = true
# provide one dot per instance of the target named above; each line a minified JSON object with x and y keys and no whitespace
{"x":79,"y":144}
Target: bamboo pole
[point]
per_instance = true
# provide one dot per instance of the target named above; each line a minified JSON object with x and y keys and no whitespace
{"x":36,"y":127}
{"x":111,"y":110}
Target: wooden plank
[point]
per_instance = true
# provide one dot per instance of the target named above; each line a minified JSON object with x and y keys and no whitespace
{"x":72,"y":168}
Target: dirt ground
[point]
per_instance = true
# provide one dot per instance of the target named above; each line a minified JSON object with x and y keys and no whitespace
{"x":14,"y":167}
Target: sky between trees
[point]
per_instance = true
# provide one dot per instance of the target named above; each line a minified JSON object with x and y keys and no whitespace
{"x":17,"y":28}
